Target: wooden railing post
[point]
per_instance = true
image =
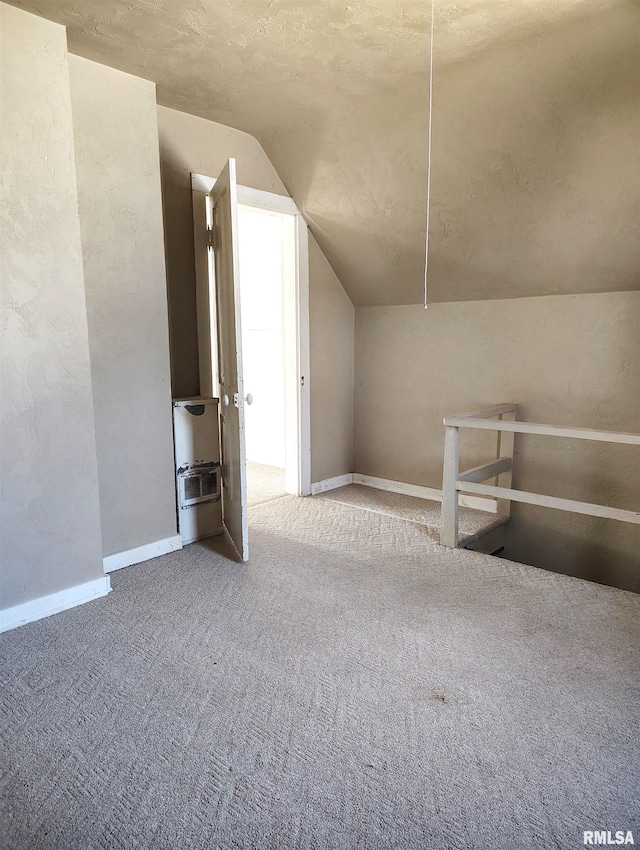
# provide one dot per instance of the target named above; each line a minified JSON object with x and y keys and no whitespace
{"x":449,"y":530}
{"x":505,"y":449}
{"x":471,"y":480}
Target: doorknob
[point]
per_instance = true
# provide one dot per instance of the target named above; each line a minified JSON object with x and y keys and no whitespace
{"x":236,"y":399}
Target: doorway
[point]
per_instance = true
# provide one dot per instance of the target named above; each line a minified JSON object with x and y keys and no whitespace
{"x":266,"y":251}
{"x":276,"y":309}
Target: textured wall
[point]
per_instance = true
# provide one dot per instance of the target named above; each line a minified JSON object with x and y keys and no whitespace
{"x":534,"y":121}
{"x":116,"y":143}
{"x":332,"y":341}
{"x":189,"y":144}
{"x":536,"y":159}
{"x":335,"y":92}
{"x":570,"y":360}
{"x":50,"y":509}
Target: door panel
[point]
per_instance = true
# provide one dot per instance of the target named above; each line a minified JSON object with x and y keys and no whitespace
{"x":227,"y":286}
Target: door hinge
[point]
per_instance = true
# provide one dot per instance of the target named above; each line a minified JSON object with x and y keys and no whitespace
{"x":210,"y":238}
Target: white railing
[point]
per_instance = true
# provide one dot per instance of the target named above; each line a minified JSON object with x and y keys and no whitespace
{"x":500,"y":467}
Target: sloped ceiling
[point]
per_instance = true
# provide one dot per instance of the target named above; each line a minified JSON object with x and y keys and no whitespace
{"x":535,"y":148}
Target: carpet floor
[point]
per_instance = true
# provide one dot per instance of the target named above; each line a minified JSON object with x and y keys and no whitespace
{"x":472,"y":523}
{"x":264,"y":483}
{"x":353,"y":686}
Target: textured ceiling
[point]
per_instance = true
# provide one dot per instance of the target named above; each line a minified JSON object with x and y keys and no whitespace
{"x":533,"y":104}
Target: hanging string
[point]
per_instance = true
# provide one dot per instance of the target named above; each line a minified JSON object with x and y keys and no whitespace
{"x":426,"y":258}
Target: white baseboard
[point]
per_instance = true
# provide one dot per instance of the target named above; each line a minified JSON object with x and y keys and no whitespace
{"x":398,"y":487}
{"x":420,"y":492}
{"x":331,"y":483}
{"x":45,"y":606}
{"x":479,"y":503}
{"x":142,"y":553}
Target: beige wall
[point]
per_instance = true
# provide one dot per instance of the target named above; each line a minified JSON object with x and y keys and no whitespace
{"x":535,"y":159}
{"x":570,"y":360}
{"x":50,"y":509}
{"x":535,"y":118}
{"x":332,"y":348}
{"x":118,"y":171}
{"x":189,"y":144}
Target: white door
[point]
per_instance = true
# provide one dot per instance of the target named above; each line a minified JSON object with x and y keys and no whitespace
{"x":224,"y":224}
{"x":296,"y":319}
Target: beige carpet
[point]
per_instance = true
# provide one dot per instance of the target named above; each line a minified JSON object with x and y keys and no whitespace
{"x":353,"y":686}
{"x":472,"y":524}
{"x":264,"y":483}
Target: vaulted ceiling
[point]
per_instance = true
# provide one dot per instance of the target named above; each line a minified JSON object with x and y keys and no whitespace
{"x":535,"y":148}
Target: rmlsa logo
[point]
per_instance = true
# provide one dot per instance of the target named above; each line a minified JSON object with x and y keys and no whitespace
{"x":605,"y":837}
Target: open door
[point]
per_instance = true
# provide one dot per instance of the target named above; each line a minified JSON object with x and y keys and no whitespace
{"x":224,"y":241}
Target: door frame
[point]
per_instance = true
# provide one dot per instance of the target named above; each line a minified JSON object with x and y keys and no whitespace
{"x":298,"y":483}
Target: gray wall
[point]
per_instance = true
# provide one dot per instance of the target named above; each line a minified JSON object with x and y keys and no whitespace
{"x":535,"y":119}
{"x":332,"y":347}
{"x":118,"y":170}
{"x":570,"y":360}
{"x":535,"y":159}
{"x":50,"y":509}
{"x":189,"y":144}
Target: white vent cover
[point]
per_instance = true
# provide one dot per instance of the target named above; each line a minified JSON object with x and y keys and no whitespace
{"x":198,"y":485}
